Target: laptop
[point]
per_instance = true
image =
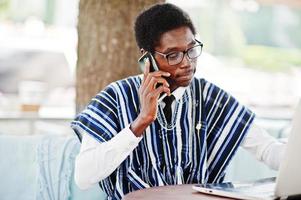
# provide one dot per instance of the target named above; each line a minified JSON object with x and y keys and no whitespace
{"x":286,"y":185}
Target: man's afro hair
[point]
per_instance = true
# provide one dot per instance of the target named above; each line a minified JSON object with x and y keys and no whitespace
{"x":152,"y":23}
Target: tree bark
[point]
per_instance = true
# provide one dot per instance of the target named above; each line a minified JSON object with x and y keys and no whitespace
{"x":107,"y":49}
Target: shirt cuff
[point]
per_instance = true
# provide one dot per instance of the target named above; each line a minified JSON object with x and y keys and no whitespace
{"x":263,"y":146}
{"x":126,"y":139}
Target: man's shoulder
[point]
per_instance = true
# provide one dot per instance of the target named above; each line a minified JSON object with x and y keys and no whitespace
{"x":127,"y":85}
{"x":202,"y":82}
{"x":199,"y":80}
{"x":207,"y":87}
{"x":125,"y":82}
{"x":131,"y":83}
{"x":130,"y":80}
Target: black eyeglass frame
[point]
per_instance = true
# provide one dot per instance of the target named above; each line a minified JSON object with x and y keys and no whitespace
{"x":184,"y":53}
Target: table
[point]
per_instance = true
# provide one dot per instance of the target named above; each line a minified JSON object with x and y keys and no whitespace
{"x":170,"y":192}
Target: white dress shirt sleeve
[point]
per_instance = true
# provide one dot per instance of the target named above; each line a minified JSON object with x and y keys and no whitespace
{"x":96,"y":160}
{"x":264,"y":147}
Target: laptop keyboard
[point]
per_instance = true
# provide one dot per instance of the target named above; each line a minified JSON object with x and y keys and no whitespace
{"x":260,"y":190}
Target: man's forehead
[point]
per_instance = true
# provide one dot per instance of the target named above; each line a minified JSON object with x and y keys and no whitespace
{"x":176,"y":38}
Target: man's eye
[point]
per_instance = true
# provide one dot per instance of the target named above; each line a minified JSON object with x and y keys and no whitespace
{"x":173,"y":55}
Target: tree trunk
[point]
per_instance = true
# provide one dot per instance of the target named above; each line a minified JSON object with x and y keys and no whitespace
{"x":107,"y":49}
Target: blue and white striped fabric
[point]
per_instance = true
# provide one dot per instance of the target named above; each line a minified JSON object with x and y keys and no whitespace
{"x":208,"y":126}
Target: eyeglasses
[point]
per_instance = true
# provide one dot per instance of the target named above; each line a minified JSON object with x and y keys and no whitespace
{"x":177,"y":57}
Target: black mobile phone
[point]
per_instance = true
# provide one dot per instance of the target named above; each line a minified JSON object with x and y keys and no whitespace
{"x":153,"y":64}
{"x":153,"y":67}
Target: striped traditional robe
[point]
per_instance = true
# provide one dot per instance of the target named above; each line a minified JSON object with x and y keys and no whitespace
{"x":207,"y":127}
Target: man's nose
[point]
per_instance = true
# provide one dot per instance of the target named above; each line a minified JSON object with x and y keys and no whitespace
{"x":186,"y":62}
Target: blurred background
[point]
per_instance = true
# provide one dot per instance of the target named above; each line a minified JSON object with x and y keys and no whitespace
{"x":38,"y":41}
{"x":252,"y":49}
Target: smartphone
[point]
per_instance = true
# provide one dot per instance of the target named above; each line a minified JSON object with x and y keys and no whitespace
{"x":153,"y":64}
{"x":153,"y":67}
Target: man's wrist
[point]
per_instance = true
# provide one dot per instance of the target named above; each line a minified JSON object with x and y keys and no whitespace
{"x":139,"y":125}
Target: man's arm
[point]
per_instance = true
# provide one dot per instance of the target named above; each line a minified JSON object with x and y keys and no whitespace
{"x":264,"y":147}
{"x":96,"y":161}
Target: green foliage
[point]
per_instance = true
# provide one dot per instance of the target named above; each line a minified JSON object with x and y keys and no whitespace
{"x":4,"y":6}
{"x":271,"y":58}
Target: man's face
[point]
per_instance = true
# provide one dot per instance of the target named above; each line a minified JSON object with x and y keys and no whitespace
{"x":179,"y":39}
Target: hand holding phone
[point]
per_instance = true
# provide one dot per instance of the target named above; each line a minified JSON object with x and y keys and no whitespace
{"x":152,"y":68}
{"x":149,"y":92}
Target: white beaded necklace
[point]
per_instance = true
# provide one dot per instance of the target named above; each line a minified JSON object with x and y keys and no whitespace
{"x":162,"y":119}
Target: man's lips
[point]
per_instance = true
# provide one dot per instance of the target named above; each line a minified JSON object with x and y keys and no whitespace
{"x":187,"y":75}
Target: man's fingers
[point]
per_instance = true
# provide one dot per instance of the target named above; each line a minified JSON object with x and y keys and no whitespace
{"x":148,"y":75}
{"x":155,"y":76}
{"x":161,"y":89}
{"x":146,"y":68}
{"x":155,"y":81}
{"x":161,"y":73}
{"x":152,"y":79}
{"x":160,"y":82}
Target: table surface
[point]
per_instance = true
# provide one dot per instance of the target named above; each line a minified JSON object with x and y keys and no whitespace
{"x":171,"y":192}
